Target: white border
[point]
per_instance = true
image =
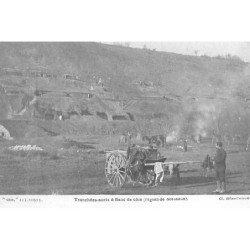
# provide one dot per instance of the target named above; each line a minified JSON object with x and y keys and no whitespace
{"x":130,"y":20}
{"x":199,"y":225}
{"x":123,"y":201}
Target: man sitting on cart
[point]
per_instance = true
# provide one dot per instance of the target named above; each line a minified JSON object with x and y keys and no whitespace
{"x":136,"y":157}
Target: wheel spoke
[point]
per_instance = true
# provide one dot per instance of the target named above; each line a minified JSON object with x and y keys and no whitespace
{"x":110,"y":174}
{"x":109,"y":171}
{"x":122,"y":178}
{"x":119,"y":179}
{"x":116,"y":180}
{"x":122,"y":164}
{"x":118,"y":162}
{"x":121,"y":171}
{"x":115,"y":159}
{"x":112,"y":163}
{"x":112,"y":177}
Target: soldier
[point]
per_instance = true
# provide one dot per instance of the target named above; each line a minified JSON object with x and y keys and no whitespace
{"x":135,"y":160}
{"x":185,"y":146}
{"x":129,"y":138}
{"x":220,"y":168}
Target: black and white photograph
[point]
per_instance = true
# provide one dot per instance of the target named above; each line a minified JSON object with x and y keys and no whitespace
{"x":124,"y":124}
{"x":124,"y":118}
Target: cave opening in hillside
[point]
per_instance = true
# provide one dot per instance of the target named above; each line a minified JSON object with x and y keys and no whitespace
{"x":85,"y":112}
{"x":131,"y":116}
{"x":102,"y":115}
{"x":49,"y":116}
{"x":119,"y":117}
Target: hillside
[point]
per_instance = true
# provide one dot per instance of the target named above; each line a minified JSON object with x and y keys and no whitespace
{"x":95,"y":83}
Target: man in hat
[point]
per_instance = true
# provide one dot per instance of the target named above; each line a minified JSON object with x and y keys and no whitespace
{"x":220,"y":168}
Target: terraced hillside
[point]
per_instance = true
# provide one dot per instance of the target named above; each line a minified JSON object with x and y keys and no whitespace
{"x":73,"y":101}
{"x":93,"y":83}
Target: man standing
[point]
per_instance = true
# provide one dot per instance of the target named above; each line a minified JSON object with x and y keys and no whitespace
{"x":185,"y":146}
{"x":159,"y":173}
{"x":220,"y":168}
{"x":129,"y":137}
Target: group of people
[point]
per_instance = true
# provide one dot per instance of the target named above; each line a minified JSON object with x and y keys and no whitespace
{"x":136,"y":158}
{"x":218,"y":162}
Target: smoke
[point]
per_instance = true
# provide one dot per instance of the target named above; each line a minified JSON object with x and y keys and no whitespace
{"x":207,"y":114}
{"x":173,"y":136}
{"x":196,"y":120}
{"x":247,"y":70}
{"x":201,"y":126}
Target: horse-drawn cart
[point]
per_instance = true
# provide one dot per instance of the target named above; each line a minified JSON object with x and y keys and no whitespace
{"x":118,"y":169}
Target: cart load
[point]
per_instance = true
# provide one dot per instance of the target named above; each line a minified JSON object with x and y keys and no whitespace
{"x":138,"y":164}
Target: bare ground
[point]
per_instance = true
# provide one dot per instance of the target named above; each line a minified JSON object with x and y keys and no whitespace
{"x":78,"y":168}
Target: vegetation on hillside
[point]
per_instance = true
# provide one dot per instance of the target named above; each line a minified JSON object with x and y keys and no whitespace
{"x":163,"y":91}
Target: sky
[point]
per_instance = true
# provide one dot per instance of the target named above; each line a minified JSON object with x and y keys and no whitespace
{"x":241,"y":49}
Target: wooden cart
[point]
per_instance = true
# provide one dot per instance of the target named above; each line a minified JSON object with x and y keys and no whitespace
{"x":117,"y":171}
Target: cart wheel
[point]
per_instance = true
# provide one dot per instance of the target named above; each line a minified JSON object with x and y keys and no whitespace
{"x":115,"y":170}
